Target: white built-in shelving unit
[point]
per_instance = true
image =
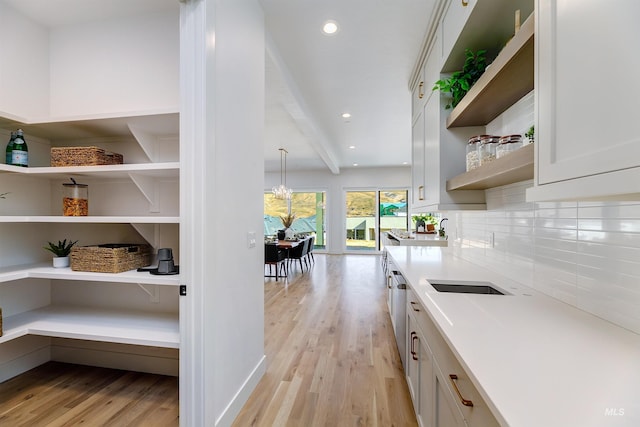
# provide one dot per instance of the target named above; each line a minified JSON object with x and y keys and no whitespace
{"x":58,"y":104}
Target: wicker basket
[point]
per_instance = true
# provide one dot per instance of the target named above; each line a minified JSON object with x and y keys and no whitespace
{"x":110,"y":258}
{"x":83,"y":156}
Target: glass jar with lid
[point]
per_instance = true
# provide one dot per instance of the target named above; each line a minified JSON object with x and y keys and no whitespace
{"x":75,"y":200}
{"x":488,"y":145}
{"x":508,"y":144}
{"x":473,"y":154}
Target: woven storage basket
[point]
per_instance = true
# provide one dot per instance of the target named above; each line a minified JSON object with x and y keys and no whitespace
{"x":110,"y":258}
{"x":83,"y":156}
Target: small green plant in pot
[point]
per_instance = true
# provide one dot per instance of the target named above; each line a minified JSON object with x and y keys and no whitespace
{"x":459,"y":83}
{"x":61,"y":250}
{"x":424,"y":222}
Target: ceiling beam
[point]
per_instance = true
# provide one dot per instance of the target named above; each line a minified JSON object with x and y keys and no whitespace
{"x":300,"y":112}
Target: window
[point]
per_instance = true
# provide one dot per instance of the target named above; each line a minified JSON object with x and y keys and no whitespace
{"x":369,"y":213}
{"x":309,"y":209}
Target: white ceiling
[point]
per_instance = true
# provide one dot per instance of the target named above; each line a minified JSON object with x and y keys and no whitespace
{"x":363,"y":69}
{"x":311,"y":78}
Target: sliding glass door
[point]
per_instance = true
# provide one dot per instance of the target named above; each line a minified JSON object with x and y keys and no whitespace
{"x":370,"y":212}
{"x":309,"y":209}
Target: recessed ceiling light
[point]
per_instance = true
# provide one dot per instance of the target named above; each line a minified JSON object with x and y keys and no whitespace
{"x":330,"y":27}
{"x":346,"y":115}
{"x":405,"y":163}
{"x":355,"y":164}
{"x":352,"y":147}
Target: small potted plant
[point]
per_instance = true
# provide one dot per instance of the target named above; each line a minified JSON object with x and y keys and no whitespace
{"x":530,"y":135}
{"x":61,"y":250}
{"x":459,"y":83}
{"x":424,"y":223}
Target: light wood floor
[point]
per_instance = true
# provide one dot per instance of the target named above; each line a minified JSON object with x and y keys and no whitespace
{"x":59,"y":394}
{"x":331,"y":361}
{"x":331,"y":354}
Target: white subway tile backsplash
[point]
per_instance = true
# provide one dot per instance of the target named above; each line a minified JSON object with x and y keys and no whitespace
{"x":586,"y":254}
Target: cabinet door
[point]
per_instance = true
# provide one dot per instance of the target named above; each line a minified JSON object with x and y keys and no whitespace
{"x":417,"y":161}
{"x":432,"y":142}
{"x":412,"y":368}
{"x":418,"y":96}
{"x":585,"y":125}
{"x":426,"y":395}
{"x":390,"y":300}
{"x":453,"y":21}
{"x":446,"y":412}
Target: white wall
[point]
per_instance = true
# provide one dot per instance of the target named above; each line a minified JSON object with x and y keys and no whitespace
{"x":586,"y":254}
{"x":335,"y":185}
{"x":222,"y":181}
{"x":115,"y":66}
{"x":24,"y":65}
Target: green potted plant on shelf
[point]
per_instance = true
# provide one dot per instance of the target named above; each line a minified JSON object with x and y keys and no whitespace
{"x":61,"y":250}
{"x":424,"y":222}
{"x":530,"y":135}
{"x":459,"y":83}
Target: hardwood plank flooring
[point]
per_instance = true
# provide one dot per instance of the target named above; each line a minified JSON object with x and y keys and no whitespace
{"x":59,"y":394}
{"x":331,"y":354}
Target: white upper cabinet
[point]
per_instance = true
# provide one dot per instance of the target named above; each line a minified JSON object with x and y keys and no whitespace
{"x":588,"y":145}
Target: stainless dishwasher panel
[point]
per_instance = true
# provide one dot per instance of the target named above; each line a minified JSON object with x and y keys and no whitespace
{"x":400,"y":313}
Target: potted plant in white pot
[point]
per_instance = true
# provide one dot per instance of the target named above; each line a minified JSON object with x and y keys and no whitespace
{"x":61,"y":250}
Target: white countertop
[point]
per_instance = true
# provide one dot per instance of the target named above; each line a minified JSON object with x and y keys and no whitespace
{"x":536,"y":361}
{"x":418,"y":239}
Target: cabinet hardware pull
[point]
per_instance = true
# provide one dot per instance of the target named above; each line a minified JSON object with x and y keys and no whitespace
{"x":465,"y":402}
{"x":413,"y":305}
{"x":465,"y":3}
{"x":389,"y":282}
{"x":421,"y":192}
{"x":414,"y":337}
{"x":420,"y":92}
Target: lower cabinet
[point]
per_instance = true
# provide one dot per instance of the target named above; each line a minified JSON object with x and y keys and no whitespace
{"x":442,"y":392}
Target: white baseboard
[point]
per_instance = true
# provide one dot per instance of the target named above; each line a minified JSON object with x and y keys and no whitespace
{"x":233,"y":408}
{"x":163,"y":361}
{"x":24,"y":362}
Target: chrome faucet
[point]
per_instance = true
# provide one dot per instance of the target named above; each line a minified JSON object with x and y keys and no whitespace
{"x":441,"y":232}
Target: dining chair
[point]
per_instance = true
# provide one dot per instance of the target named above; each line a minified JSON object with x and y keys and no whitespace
{"x":312,"y":242}
{"x":275,"y":256}
{"x":299,"y":253}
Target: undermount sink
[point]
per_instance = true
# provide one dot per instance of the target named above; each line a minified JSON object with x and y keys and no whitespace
{"x":465,"y":287}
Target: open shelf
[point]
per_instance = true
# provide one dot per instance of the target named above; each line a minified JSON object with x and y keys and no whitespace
{"x":154,"y":170}
{"x":103,"y":126}
{"x":514,"y":167}
{"x":46,"y":271}
{"x":509,"y":77}
{"x":96,"y":324}
{"x":95,"y":219}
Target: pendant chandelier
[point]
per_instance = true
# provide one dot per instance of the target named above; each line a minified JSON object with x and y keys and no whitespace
{"x":281,"y":191}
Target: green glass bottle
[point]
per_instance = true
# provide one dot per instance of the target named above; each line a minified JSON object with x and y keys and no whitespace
{"x":10,"y":148}
{"x":20,"y":152}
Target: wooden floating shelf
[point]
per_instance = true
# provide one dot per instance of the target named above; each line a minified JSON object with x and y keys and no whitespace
{"x":95,"y":324}
{"x":514,"y":167}
{"x":509,"y":78}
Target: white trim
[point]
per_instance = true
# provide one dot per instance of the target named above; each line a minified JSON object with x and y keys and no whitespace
{"x":233,"y":408}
